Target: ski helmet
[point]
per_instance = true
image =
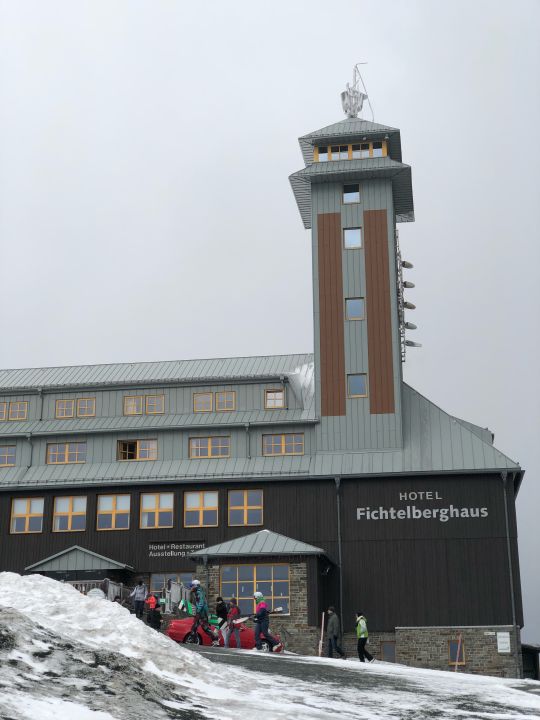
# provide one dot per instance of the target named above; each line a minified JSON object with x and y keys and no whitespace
{"x":195,"y":583}
{"x":257,"y":594}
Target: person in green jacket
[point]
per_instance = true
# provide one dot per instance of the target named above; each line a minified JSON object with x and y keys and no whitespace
{"x":362,"y":635}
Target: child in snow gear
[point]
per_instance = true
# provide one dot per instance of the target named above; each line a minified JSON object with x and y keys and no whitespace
{"x":261,"y":624}
{"x":362,"y":635}
{"x":333,"y":631}
{"x":153,"y":617}
{"x":139,"y":594}
{"x":198,"y":598}
{"x":232,"y":615}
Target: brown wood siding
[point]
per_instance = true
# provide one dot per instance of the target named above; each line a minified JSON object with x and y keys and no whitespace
{"x":378,"y":313}
{"x":332,"y":342}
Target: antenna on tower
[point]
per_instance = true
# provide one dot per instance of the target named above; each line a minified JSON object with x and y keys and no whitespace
{"x":352,"y":99}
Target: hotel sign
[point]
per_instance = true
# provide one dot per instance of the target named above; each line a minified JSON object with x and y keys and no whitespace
{"x":173,"y":549}
{"x":407,"y":509}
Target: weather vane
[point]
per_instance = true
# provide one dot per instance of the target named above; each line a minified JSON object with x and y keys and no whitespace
{"x":352,"y":99}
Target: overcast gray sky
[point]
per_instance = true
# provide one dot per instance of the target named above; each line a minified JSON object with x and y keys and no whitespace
{"x":145,"y":211}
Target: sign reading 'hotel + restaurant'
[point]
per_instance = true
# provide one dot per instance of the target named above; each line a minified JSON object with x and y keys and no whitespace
{"x":173,"y":549}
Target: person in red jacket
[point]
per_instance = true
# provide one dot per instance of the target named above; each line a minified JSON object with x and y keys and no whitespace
{"x":232,"y":615}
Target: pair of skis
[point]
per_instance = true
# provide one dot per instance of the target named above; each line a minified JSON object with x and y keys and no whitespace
{"x":239,"y":621}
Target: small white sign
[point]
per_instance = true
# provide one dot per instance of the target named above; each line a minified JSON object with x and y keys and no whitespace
{"x":503,"y":642}
{"x":490,"y":632}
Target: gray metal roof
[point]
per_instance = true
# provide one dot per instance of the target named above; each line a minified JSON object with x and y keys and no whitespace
{"x":264,"y":542}
{"x":344,"y":170}
{"x":142,"y":373}
{"x":350,"y":128}
{"x":77,"y":558}
{"x":433,"y":441}
{"x":148,"y":423}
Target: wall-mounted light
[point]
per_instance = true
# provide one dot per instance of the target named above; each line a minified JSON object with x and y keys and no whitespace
{"x":410,"y":343}
{"x":410,"y":326}
{"x":407,"y":265}
{"x":407,"y":284}
{"x":409,"y":305}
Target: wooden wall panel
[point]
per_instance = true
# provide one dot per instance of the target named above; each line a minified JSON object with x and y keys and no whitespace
{"x":332,"y":343}
{"x":378,"y":313}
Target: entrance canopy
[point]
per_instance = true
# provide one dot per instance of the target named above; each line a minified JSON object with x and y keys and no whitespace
{"x":264,"y":542}
{"x":76,"y":558}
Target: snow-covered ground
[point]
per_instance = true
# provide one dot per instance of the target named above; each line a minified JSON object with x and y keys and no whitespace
{"x":64,"y":656}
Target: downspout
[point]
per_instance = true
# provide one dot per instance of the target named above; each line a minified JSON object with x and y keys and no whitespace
{"x":248,"y":442}
{"x":337,"y":481}
{"x":40,"y":395}
{"x":29,"y":439}
{"x":504,"y":477}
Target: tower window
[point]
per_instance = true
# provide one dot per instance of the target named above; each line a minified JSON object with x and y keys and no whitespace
{"x":355,"y":154}
{"x":377,"y":149}
{"x":364,"y":150}
{"x":354,"y":309}
{"x":352,"y":238}
{"x":323,"y":154}
{"x":357,"y":385}
{"x":340,"y":152}
{"x":351,"y":194}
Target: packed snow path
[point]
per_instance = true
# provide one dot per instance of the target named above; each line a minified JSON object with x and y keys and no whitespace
{"x":68,"y":657}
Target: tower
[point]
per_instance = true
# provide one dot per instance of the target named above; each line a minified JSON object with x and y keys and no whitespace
{"x":352,"y":192}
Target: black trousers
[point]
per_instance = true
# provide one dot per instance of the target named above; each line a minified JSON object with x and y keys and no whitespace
{"x":363,"y":654}
{"x":333,"y":645}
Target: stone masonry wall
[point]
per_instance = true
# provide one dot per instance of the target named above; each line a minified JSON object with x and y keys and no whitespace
{"x":428,"y":647}
{"x":295,"y":633}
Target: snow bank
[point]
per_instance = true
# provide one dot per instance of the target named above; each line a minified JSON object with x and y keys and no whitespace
{"x":66,"y":656}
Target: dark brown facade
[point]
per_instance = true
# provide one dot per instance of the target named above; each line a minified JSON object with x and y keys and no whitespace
{"x":401,"y":571}
{"x":331,"y":315}
{"x":379,"y":319}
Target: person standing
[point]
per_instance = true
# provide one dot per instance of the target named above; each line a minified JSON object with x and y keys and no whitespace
{"x":333,"y":631}
{"x":362,"y":635}
{"x":221,"y":612}
{"x":232,"y":615}
{"x":150,"y":603}
{"x":261,"y":624}
{"x":139,"y":594}
{"x":198,"y":598}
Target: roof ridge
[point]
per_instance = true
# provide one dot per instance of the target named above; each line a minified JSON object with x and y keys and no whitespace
{"x":152,"y":362}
